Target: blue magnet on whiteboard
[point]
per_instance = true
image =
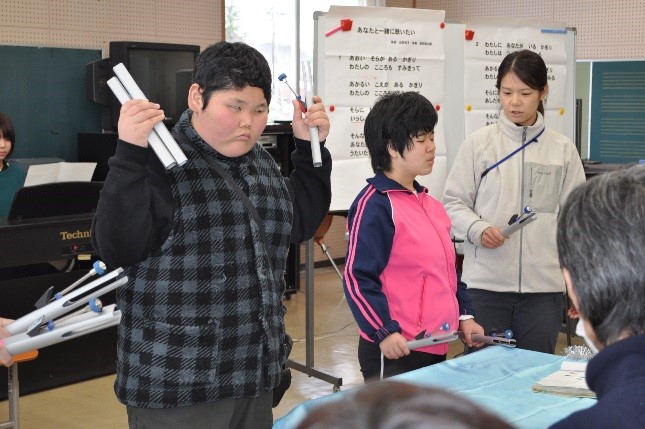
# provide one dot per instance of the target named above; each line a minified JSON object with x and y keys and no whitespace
{"x":555,"y":30}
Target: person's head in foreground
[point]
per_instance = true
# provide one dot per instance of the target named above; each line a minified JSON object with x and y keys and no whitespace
{"x":601,"y":246}
{"x":398,"y":405}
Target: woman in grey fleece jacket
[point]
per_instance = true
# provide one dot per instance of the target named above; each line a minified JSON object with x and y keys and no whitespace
{"x":515,"y":282}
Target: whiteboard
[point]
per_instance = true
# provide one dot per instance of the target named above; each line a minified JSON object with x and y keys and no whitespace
{"x":451,"y":63}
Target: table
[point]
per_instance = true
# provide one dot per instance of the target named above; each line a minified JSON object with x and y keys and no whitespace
{"x":497,"y":378}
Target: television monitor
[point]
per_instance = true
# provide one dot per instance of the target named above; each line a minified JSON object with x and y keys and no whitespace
{"x":163,"y":71}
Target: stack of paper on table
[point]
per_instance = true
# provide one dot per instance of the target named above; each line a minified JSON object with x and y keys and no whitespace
{"x":568,"y":381}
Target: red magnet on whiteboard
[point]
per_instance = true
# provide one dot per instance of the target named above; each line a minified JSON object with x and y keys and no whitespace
{"x":442,"y":25}
{"x":332,"y":108}
{"x":345,"y":25}
{"x":470,"y":34}
{"x":437,"y":107}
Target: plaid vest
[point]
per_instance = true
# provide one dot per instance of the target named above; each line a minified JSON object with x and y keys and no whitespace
{"x":202,"y":316}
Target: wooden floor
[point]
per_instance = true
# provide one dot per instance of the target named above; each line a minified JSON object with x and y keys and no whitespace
{"x":92,"y":404}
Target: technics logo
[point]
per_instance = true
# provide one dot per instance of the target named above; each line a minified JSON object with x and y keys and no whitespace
{"x":67,"y":235}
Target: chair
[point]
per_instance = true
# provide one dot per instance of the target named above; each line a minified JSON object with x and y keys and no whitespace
{"x":568,"y":326}
{"x":320,"y":235}
{"x":14,"y":390}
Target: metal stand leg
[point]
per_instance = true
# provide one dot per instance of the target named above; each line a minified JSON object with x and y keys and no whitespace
{"x":325,"y":250}
{"x":13,"y":393}
{"x":308,"y":368}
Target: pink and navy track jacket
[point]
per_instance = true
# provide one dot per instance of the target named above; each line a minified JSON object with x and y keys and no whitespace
{"x":400,"y":273}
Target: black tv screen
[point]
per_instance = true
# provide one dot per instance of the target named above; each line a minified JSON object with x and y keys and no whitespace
{"x":163,"y":71}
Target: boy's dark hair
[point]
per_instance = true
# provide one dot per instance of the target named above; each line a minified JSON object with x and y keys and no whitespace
{"x":529,"y":67}
{"x":394,"y":121}
{"x":601,"y":238}
{"x":7,"y":131}
{"x":225,"y":65}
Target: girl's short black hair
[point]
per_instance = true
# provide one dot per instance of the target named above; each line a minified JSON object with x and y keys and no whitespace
{"x":394,"y":120}
{"x":7,"y":131}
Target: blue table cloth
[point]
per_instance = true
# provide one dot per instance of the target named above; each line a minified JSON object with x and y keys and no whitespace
{"x":497,"y":378}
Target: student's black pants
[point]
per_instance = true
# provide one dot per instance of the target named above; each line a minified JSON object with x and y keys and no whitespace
{"x":534,"y":318}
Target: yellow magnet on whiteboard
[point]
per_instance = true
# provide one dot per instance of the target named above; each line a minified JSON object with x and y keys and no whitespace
{"x":469,"y":107}
{"x":561,"y":111}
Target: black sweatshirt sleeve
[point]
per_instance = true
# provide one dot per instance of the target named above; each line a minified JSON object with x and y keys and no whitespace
{"x":310,"y":189}
{"x":134,"y":211}
{"x":463,"y":297}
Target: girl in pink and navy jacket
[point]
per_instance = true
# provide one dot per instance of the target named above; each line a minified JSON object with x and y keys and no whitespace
{"x":400,"y":277}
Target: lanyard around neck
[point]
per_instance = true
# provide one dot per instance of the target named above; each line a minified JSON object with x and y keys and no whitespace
{"x":534,"y":139}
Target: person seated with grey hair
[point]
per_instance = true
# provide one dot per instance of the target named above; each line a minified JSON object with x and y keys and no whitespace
{"x":601,"y":245}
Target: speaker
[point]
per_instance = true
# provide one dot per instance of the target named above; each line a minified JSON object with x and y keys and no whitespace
{"x":96,"y":147}
{"x":97,"y":74}
{"x":183,"y":81}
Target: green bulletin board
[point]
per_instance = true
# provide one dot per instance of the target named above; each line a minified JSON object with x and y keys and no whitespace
{"x":617,"y":131}
{"x":43,"y":92}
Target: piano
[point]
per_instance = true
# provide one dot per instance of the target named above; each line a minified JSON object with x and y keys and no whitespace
{"x":43,"y":240}
{"x":46,"y":241}
{"x":49,"y":222}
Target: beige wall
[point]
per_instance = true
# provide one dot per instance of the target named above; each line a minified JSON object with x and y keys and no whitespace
{"x":605,"y":29}
{"x":92,"y":24}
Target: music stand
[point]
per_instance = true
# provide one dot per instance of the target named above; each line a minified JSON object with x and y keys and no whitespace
{"x":55,"y":199}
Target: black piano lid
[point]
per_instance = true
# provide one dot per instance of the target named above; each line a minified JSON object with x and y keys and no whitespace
{"x":54,"y":200}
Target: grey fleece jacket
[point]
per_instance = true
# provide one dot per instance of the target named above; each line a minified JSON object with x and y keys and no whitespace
{"x":540,"y":176}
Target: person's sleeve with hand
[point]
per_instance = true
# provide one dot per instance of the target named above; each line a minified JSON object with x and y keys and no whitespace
{"x":470,"y":327}
{"x":572,"y":312}
{"x":394,"y":346}
{"x":316,"y":116}
{"x":136,"y":120}
{"x":5,"y":358}
{"x":492,"y":237}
